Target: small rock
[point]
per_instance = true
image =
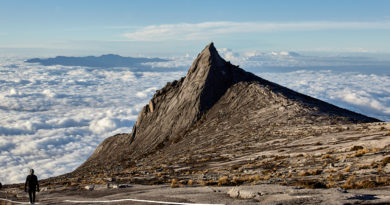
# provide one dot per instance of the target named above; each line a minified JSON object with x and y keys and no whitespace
{"x":234,"y":192}
{"x":89,"y":187}
{"x":246,"y":194}
{"x":342,"y":190}
{"x":122,"y":186}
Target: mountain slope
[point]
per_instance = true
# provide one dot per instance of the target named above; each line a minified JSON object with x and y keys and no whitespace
{"x":215,"y":100}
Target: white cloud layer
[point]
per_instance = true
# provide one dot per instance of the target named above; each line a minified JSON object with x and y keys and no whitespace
{"x":257,"y":59}
{"x":362,"y":93}
{"x":52,"y":118}
{"x":206,"y":30}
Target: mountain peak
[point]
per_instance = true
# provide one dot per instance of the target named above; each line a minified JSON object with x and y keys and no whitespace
{"x":210,"y":50}
{"x":216,"y":93}
{"x":210,"y":45}
{"x":210,"y":76}
{"x":208,"y":58}
{"x":180,"y":104}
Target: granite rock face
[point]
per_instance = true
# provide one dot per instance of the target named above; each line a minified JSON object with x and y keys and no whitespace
{"x":214,"y":93}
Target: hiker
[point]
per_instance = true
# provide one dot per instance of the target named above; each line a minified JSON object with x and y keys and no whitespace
{"x":32,"y":186}
{"x":1,"y":186}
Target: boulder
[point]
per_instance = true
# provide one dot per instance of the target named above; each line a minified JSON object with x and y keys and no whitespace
{"x":238,"y":192}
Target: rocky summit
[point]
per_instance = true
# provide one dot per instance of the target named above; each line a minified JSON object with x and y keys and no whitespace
{"x":217,"y":96}
{"x":221,"y":125}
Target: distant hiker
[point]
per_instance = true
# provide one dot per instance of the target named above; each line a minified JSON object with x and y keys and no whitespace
{"x":31,"y":186}
{"x":1,"y":186}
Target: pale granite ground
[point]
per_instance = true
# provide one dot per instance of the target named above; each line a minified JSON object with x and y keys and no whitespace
{"x":257,"y":194}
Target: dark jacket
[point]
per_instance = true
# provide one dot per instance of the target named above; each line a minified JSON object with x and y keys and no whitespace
{"x":31,"y":183}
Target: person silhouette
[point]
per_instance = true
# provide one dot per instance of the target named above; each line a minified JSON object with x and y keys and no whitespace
{"x":31,"y":186}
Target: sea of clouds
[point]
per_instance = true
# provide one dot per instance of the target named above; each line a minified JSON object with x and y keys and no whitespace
{"x":53,"y":117}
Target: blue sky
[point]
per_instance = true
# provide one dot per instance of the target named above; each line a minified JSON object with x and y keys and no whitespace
{"x":163,"y":28}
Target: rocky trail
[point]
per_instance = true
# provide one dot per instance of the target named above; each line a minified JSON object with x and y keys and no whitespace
{"x":198,"y":195}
